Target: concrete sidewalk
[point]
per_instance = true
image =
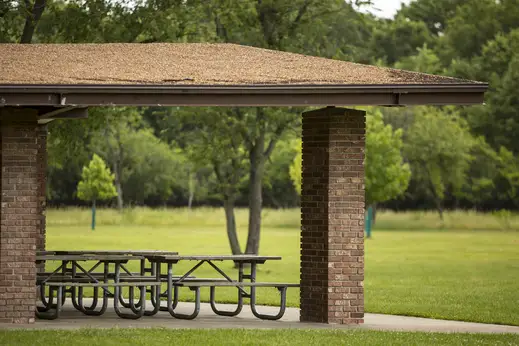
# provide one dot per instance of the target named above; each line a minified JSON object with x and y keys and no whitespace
{"x":73,"y":319}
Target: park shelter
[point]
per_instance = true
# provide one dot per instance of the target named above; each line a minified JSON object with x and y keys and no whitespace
{"x":40,"y":83}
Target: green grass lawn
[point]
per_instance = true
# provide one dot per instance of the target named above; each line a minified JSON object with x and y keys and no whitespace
{"x":450,"y":274}
{"x":246,"y":337}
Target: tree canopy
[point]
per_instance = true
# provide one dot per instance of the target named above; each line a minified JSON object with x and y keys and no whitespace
{"x":96,"y":181}
{"x":387,"y":176}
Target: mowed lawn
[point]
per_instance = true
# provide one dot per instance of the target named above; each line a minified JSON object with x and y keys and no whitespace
{"x":246,"y":337}
{"x":449,"y":274}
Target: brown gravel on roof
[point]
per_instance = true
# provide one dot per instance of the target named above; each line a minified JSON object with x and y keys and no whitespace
{"x":192,"y":64}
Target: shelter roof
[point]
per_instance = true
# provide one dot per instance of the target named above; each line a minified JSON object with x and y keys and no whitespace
{"x":235,"y":74}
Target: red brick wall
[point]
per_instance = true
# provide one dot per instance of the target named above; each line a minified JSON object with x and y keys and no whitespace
{"x":332,"y":216}
{"x":20,"y":218}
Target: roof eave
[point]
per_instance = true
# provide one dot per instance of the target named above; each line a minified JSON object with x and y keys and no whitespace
{"x":240,"y":95}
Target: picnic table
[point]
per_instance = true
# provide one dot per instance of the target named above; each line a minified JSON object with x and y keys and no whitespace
{"x":244,"y":280}
{"x":72,"y":277}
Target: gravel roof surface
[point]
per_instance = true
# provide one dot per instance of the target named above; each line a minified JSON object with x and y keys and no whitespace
{"x":194,"y":64}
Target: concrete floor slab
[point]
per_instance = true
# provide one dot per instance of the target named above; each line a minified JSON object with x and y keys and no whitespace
{"x":73,"y":319}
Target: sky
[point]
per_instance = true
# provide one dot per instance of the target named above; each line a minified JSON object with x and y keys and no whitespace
{"x":387,"y":8}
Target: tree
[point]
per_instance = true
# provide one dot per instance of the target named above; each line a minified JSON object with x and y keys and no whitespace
{"x":110,"y":141}
{"x":434,"y":13}
{"x":425,"y":61}
{"x":34,"y":12}
{"x":96,"y":184}
{"x":152,"y":168}
{"x":278,"y":189}
{"x":504,"y":108}
{"x":474,"y":23}
{"x":263,"y":130}
{"x":143,"y":165}
{"x":493,"y":176}
{"x":273,"y":25}
{"x":19,"y":19}
{"x":216,"y":140}
{"x":438,"y":146}
{"x":498,"y":121}
{"x":394,"y":40}
{"x":387,"y":176}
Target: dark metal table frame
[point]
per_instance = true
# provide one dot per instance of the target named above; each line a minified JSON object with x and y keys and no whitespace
{"x":77,"y":272}
{"x":241,"y":260}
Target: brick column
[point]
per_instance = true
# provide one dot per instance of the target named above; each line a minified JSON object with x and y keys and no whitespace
{"x":20,"y":213}
{"x":42,"y":184}
{"x":332,"y":212}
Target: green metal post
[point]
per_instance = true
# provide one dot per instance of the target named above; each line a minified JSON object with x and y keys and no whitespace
{"x":367,"y":224}
{"x":93,"y":215}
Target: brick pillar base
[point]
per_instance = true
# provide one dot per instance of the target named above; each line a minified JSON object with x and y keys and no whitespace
{"x":332,"y":211}
{"x":20,"y":142}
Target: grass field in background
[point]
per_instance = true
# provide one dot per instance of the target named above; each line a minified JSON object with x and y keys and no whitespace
{"x":288,"y":218}
{"x":89,"y":337}
{"x":451,"y":274}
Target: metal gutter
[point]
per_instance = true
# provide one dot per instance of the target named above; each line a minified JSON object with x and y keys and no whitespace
{"x":240,"y":95}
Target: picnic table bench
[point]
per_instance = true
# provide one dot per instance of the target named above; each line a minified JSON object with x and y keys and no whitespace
{"x":59,"y":287}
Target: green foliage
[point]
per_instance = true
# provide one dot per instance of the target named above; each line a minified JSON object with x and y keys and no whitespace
{"x":12,"y":18}
{"x":295,"y":169}
{"x":438,"y":147}
{"x":393,"y":40}
{"x":474,"y":23}
{"x":434,"y":13}
{"x":144,"y":165}
{"x":504,"y":106}
{"x":215,"y":140}
{"x":498,"y":53}
{"x":425,"y":61}
{"x":278,"y":187}
{"x":96,"y":181}
{"x":154,"y":169}
{"x":387,"y":176}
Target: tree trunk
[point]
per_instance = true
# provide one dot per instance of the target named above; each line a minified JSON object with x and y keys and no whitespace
{"x":374,"y":213}
{"x":190,"y":200}
{"x":230,"y":221}
{"x":191,"y":191}
{"x":437,"y":200}
{"x":439,"y":207}
{"x":93,"y":214}
{"x":118,"y":187}
{"x":31,"y":20}
{"x":255,"y":196}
